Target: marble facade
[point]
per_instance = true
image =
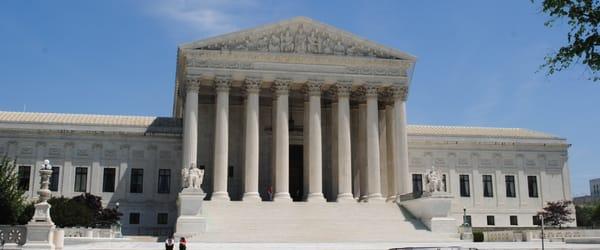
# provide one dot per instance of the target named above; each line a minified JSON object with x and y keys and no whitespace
{"x":303,"y":114}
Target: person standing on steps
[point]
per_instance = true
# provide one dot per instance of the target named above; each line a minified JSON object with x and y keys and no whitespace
{"x":182,"y":244}
{"x":170,"y":243}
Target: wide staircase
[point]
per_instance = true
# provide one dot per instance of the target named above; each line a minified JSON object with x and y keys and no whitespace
{"x":311,"y":222}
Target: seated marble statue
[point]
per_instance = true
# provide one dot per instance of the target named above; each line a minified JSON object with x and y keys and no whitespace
{"x":434,"y":181}
{"x":192,"y":177}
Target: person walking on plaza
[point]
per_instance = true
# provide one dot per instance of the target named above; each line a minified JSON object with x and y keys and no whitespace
{"x":182,"y":244}
{"x":170,"y":243}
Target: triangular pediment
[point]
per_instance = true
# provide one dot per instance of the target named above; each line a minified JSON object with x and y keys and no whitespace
{"x":299,"y":35}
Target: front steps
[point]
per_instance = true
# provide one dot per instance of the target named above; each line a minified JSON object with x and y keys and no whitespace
{"x":238,"y":221}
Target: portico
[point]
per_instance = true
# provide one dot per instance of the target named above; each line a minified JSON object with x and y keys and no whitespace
{"x":304,"y":71}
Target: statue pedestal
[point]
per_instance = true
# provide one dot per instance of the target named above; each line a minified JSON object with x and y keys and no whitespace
{"x":190,"y":220}
{"x":40,"y":230}
{"x":433,"y":209}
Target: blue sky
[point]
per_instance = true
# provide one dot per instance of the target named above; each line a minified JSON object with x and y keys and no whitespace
{"x":477,"y":60}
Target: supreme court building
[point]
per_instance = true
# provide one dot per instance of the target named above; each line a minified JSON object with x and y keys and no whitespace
{"x":302,"y":131}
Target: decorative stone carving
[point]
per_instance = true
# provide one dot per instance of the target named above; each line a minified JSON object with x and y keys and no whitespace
{"x":222,"y":83}
{"x":281,"y":86}
{"x":434,"y":181}
{"x":370,"y":90}
{"x":298,"y":37}
{"x":313,"y":87}
{"x":342,"y":89}
{"x":399,"y":92}
{"x":252,"y":84}
{"x":192,"y":177}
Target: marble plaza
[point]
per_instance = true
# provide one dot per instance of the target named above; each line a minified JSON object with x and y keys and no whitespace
{"x":292,"y":132}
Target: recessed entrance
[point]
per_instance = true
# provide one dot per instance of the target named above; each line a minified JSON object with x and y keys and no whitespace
{"x":296,"y":172}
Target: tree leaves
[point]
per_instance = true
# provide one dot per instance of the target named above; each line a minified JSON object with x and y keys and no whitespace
{"x":11,"y":197}
{"x":583,"y":17}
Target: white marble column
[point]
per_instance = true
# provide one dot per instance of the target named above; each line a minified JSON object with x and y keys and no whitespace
{"x":315,"y":182}
{"x":221,"y":139}
{"x":190,"y":124}
{"x":401,"y":137}
{"x":282,"y":141}
{"x":344,"y":148}
{"x":373,"y":167}
{"x":252,"y":141}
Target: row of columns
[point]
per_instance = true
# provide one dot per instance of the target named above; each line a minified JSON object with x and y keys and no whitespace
{"x":313,"y":88}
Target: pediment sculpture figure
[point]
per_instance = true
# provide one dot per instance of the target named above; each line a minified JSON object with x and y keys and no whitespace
{"x":434,"y":181}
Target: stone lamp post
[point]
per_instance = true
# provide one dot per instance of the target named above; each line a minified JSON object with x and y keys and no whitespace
{"x":40,"y":230}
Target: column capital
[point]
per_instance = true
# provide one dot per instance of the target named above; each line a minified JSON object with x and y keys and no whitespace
{"x":222,"y":83}
{"x":399,"y":92}
{"x":341,"y":89}
{"x":252,"y":84}
{"x":370,"y":90}
{"x":192,"y":85}
{"x":281,"y":86}
{"x":313,"y":87}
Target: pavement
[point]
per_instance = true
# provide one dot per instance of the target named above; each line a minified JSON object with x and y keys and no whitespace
{"x":326,"y":246}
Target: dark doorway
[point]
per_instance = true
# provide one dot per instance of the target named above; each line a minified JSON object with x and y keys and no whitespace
{"x":296,"y":172}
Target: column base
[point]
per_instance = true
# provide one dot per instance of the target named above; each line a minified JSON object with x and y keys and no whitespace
{"x":345,"y":197}
{"x":282,"y":197}
{"x":316,"y":197}
{"x":375,"y":198}
{"x":220,"y":196}
{"x":251,"y":197}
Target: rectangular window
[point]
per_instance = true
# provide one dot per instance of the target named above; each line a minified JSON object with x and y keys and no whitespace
{"x":532,"y":185}
{"x":137,"y":180}
{"x":54,"y":179}
{"x":510,"y":186}
{"x":488,"y":189}
{"x":164,"y":181}
{"x":24,"y":175}
{"x":108,"y":180}
{"x":444,"y":183}
{"x":464,"y":186}
{"x":80,"y":179}
{"x":513,"y":220}
{"x":536,"y":220}
{"x":468,"y":220}
{"x":134,"y":218}
{"x":162,"y":218}
{"x":490,"y":220}
{"x":417,"y":181}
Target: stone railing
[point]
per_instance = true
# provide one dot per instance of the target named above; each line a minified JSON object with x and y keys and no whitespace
{"x":532,"y":235}
{"x":503,"y":236}
{"x":560,"y":234}
{"x":13,"y":234}
{"x":79,"y":232}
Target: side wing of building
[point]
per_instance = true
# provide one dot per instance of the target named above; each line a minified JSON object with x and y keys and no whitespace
{"x":134,"y":161}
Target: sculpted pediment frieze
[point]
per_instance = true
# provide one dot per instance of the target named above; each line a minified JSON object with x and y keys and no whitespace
{"x":301,"y":36}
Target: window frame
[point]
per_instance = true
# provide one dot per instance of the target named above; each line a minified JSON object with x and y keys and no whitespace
{"x":105,"y":180}
{"x":167,"y":176}
{"x":510,"y":184}
{"x":136,"y":181}
{"x":516,"y":220}
{"x":488,"y":179}
{"x":533,"y":190}
{"x":491,"y":222}
{"x":417,"y":178}
{"x":79,"y":180}
{"x":159,"y":218}
{"x":465,"y":189}
{"x":54,"y":179}
{"x":21,"y":182}
{"x":137,"y":218}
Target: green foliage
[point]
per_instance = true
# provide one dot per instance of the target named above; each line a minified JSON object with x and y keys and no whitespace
{"x":584,"y":214}
{"x":11,"y":197}
{"x":26,"y":214}
{"x":81,"y":211}
{"x":583,"y":39}
{"x":477,"y":236}
{"x":557,"y":213}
